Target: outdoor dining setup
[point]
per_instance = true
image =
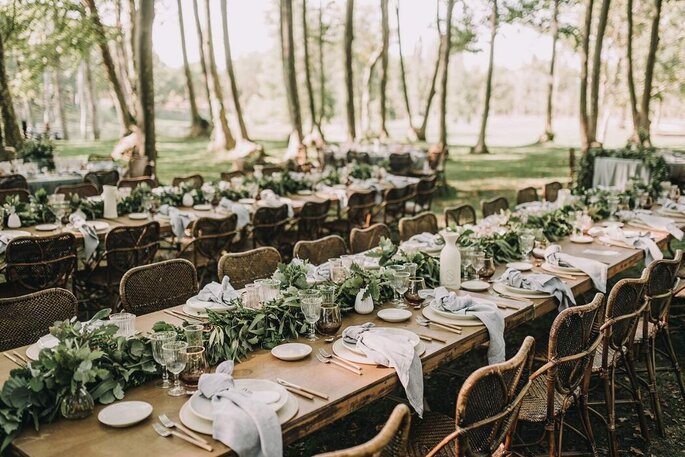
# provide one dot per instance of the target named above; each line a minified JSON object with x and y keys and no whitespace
{"x":238,"y":314}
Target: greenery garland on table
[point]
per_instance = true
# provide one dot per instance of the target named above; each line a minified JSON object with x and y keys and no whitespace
{"x":650,"y":157}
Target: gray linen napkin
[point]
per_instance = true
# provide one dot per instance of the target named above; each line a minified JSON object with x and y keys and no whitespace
{"x":540,"y":282}
{"x":485,"y":310}
{"x":643,"y":242}
{"x":658,"y":222}
{"x":248,"y":427}
{"x":597,"y":271}
{"x":236,"y":208}
{"x":394,"y":352}
{"x":214,"y":295}
{"x":180,"y":220}
{"x":4,"y":241}
{"x":90,"y":236}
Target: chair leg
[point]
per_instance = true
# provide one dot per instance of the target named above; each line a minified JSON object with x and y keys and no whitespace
{"x":637,"y":396}
{"x":610,"y":403}
{"x":651,"y":380}
{"x":551,"y":438}
{"x":584,"y":411}
{"x":666,"y":335}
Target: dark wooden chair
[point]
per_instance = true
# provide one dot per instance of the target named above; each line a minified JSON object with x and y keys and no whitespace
{"x":311,"y":219}
{"x":319,"y":251}
{"x":552,"y":191}
{"x":359,"y":157}
{"x":228,"y":175}
{"x":245,"y":267}
{"x":268,"y":170}
{"x":269,"y":225}
{"x":135,"y":182}
{"x":400,"y":164}
{"x":425,"y":190}
{"x":460,"y":215}
{"x":83,"y":190}
{"x":357,"y":214}
{"x":149,"y":288}
{"x":364,"y":239}
{"x":410,"y":226}
{"x":394,"y":204}
{"x":494,"y":206}
{"x":102,"y":178}
{"x":13,"y":182}
{"x":192,"y":181}
{"x":526,"y":195}
{"x":23,"y":194}
{"x":211,"y":238}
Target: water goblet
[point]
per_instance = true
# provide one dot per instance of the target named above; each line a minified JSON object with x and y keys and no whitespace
{"x":157,"y":340}
{"x":612,"y":204}
{"x":174,"y":354}
{"x":526,"y":243}
{"x":400,"y":283}
{"x":338,"y":272}
{"x":310,"y":302}
{"x":478,"y":262}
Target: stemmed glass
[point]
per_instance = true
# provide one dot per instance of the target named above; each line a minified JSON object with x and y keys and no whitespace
{"x":526,"y":243}
{"x":478,"y":262}
{"x":400,"y":283}
{"x":159,"y":339}
{"x":612,"y":204}
{"x":466,"y":261}
{"x":175,"y":358}
{"x":488,"y":269}
{"x":208,"y":193}
{"x":338,"y":272}
{"x":59,"y":209}
{"x":310,"y":302}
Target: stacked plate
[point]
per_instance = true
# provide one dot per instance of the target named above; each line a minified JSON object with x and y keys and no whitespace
{"x":44,"y":342}
{"x":564,"y":270}
{"x":349,"y":351}
{"x":198,"y":413}
{"x":516,"y":292}
{"x":12,"y":234}
{"x":447,"y":318}
{"x":99,"y":226}
{"x":199,"y":308}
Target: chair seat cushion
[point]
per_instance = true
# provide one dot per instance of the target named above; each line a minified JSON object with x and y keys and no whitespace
{"x":534,"y":406}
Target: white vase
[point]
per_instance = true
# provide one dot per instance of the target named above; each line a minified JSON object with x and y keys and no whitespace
{"x":13,"y":221}
{"x":363,"y":305}
{"x":188,"y":199}
{"x":109,"y":197}
{"x":450,"y":262}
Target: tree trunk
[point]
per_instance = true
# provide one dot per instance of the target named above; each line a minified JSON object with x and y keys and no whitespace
{"x":198,"y":126}
{"x":307,"y":70}
{"x":584,"y":58}
{"x":421,"y":130}
{"x":223,"y":138}
{"x":322,"y":72}
{"x":383,"y":132}
{"x":635,"y":137}
{"x":59,"y":96}
{"x":47,"y":102}
{"x":126,"y":119}
{"x":203,"y":60}
{"x":82,"y":105}
{"x":91,"y":96}
{"x":290,"y":79}
{"x":366,"y":91}
{"x":146,"y":89}
{"x":349,"y":84}
{"x":445,"y":67}
{"x":548,"y":135}
{"x":403,"y":76}
{"x":597,"y":71}
{"x":10,"y":126}
{"x":231,"y":72}
{"x":123,"y":59}
{"x":131,"y":41}
{"x":645,"y":124}
{"x":481,"y":147}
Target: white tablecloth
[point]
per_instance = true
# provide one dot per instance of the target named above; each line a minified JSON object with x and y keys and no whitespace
{"x":613,"y":172}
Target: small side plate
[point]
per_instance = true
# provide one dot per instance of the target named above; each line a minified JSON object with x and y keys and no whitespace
{"x":520,"y":266}
{"x":291,"y":351}
{"x":581,"y":239}
{"x":475,"y":285}
{"x":394,"y":314}
{"x":125,"y":413}
{"x":46,"y":227}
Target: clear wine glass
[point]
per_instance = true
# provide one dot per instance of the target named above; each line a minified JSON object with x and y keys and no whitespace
{"x":310,"y":302}
{"x":612,"y":204}
{"x":175,"y":358}
{"x":400,"y":283}
{"x":526,"y":243}
{"x":157,"y":340}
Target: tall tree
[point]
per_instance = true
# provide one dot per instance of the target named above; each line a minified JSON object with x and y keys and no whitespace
{"x":645,"y":123}
{"x":146,"y":89}
{"x":91,"y":96}
{"x":307,"y":71}
{"x":403,"y":76}
{"x":385,"y":28}
{"x":59,"y":97}
{"x":635,"y":137}
{"x":231,"y":73}
{"x":289,"y":76}
{"x":584,"y":59}
{"x":349,"y":76}
{"x":445,"y":67}
{"x":597,"y":71}
{"x":222,"y":136}
{"x":82,"y":105}
{"x":548,"y":134}
{"x":322,"y":70}
{"x":203,"y":60}
{"x":481,"y":147}
{"x":421,"y":130}
{"x":126,"y":119}
{"x":10,"y":126}
{"x":198,"y":126}
{"x":365,"y":102}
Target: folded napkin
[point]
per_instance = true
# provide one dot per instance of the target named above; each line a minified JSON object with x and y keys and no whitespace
{"x":214,"y":296}
{"x":90,"y":236}
{"x":426,"y":238}
{"x":673,"y":206}
{"x":236,"y":208}
{"x":540,"y":282}
{"x":637,"y":241}
{"x":318,"y":273}
{"x":180,"y":220}
{"x":248,"y":427}
{"x":597,"y":271}
{"x":4,"y":241}
{"x":340,"y":194}
{"x":395,"y":352}
{"x":269,"y":198}
{"x":658,"y":222}
{"x":485,"y":310}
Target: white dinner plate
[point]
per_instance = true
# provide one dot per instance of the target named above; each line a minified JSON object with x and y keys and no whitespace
{"x":394,"y":314}
{"x":611,"y":224}
{"x":202,"y":406}
{"x":99,"y":226}
{"x":138,"y":216}
{"x":517,"y":293}
{"x":46,"y":227}
{"x":12,"y":234}
{"x":125,"y":413}
{"x":559,"y":269}
{"x":581,"y":239}
{"x":643,"y":226}
{"x":342,"y":350}
{"x":197,"y":312}
{"x":520,"y":290}
{"x":202,"y":207}
{"x":520,"y":266}
{"x":388,"y":331}
{"x":247,"y":201}
{"x":449,"y":318}
{"x":44,"y":342}
{"x":291,"y":351}
{"x":304,"y":192}
{"x":475,"y":285}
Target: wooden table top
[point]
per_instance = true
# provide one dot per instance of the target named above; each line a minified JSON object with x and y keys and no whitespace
{"x":348,"y":392}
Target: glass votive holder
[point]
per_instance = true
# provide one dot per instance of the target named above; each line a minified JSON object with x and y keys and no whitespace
{"x":196,"y":366}
{"x":193,"y":334}
{"x":126,"y":322}
{"x":269,"y":289}
{"x":251,"y":296}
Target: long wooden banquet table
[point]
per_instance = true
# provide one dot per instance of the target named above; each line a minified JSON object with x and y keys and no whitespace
{"x":348,"y":392}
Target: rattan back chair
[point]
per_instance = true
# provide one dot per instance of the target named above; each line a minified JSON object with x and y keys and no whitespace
{"x":268,"y":225}
{"x":135,"y":182}
{"x":394,"y":205}
{"x":228,"y":175}
{"x":83,"y":190}
{"x":246,"y":267}
{"x":102,"y":178}
{"x":23,"y":194}
{"x":192,"y":181}
{"x":359,"y":209}
{"x":311,"y":219}
{"x":26,"y":318}
{"x":400,"y":163}
{"x":486,"y":413}
{"x":662,"y":281}
{"x":40,"y":262}
{"x":211,"y":238}
{"x":494,"y":206}
{"x":362,"y":240}
{"x":526,"y":195}
{"x":410,"y":226}
{"x":564,"y":380}
{"x":624,"y":308}
{"x":149,"y":288}
{"x":359,"y":157}
{"x":460,"y":215}
{"x":319,"y":251}
{"x":552,"y":190}
{"x":13,"y":182}
{"x":391,"y":441}
{"x":268,"y":170}
{"x":425,"y":190}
